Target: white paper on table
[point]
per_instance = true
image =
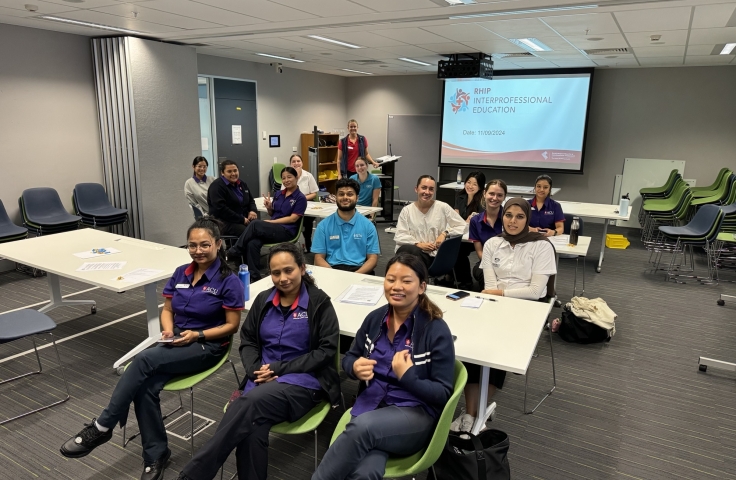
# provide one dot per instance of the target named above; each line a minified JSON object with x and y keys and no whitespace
{"x":559,"y":239}
{"x":138,"y":275}
{"x":472,"y":302}
{"x":100,"y":266}
{"x":362,"y":294}
{"x":91,"y":254}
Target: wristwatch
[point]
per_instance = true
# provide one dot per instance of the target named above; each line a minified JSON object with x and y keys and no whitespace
{"x":201,"y":338}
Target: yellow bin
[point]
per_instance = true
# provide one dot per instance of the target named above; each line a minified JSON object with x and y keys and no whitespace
{"x":614,"y":240}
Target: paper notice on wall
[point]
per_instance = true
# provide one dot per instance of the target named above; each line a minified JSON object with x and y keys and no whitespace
{"x":205,"y":144}
{"x":237,"y":134}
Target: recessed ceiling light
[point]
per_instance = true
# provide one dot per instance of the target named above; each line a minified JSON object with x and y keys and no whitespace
{"x":521,"y":12}
{"x":89,"y":24}
{"x":594,"y":39}
{"x":460,"y":2}
{"x":415,"y":61}
{"x":355,"y":71}
{"x":530,"y":44}
{"x":280,"y":58}
{"x":338,"y":42}
{"x":728,"y":48}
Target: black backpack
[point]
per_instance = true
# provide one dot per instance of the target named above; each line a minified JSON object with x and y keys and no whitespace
{"x":577,"y":330}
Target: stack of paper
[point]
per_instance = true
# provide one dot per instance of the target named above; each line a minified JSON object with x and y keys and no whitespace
{"x":559,"y":239}
{"x":362,"y":294}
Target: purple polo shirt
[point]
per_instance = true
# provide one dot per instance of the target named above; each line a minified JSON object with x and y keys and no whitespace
{"x":480,"y":231}
{"x":204,"y":179}
{"x":284,"y":206}
{"x":546,"y":216}
{"x":286,"y":337}
{"x":384,"y":388}
{"x":202,"y":306}
{"x":234,"y":187}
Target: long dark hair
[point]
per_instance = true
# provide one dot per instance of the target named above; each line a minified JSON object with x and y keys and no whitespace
{"x":413,"y":262}
{"x":213,"y":227}
{"x":295,"y":252}
{"x":480,"y":179}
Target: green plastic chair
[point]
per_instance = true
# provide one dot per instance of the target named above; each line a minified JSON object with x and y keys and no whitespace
{"x":424,"y":459}
{"x":660,"y":191}
{"x":277,"y":169}
{"x":293,"y":240}
{"x":717,"y":196}
{"x":184,"y":382}
{"x":708,"y":191}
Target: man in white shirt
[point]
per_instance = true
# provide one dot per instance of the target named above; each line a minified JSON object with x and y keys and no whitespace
{"x":426,"y":223}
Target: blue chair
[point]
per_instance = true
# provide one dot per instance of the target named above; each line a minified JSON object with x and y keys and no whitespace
{"x":26,"y":323}
{"x":196,"y":212}
{"x":91,"y":203}
{"x":8,"y":230}
{"x":43,"y":212}
{"x":444,"y":262}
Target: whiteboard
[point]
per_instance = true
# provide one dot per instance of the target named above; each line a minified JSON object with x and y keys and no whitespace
{"x":644,"y":173}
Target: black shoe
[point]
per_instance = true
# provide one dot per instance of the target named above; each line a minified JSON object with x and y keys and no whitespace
{"x":85,"y":441}
{"x":155,"y":471}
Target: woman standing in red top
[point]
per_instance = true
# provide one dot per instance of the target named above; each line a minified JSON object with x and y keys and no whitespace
{"x":351,"y":148}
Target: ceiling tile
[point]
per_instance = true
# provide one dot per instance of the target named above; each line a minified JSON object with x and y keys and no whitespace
{"x":609,"y":41}
{"x":462,"y":32}
{"x":669,"y":37}
{"x":624,"y":61}
{"x":88,"y":4}
{"x":327,"y":8}
{"x":521,"y":28}
{"x":374,"y":53}
{"x":155,"y":16}
{"x":702,"y":36}
{"x":711,"y":16}
{"x":335,"y":55}
{"x":660,"y":51}
{"x":595,"y":23}
{"x":367,"y":39}
{"x":407,"y":51}
{"x":294,"y":44}
{"x":700,"y":49}
{"x":447,"y":48}
{"x":201,"y":11}
{"x":395,"y":6}
{"x":574,"y":63}
{"x":660,"y":61}
{"x":654,"y":19}
{"x":264,"y":9}
{"x":708,"y":59}
{"x":499,"y":45}
{"x":414,"y":36}
{"x":121,"y":22}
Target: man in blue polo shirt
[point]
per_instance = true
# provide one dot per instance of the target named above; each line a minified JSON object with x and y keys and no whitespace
{"x":346,"y":240}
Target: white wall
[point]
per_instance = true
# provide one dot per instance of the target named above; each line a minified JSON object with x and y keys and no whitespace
{"x":288,"y":103}
{"x":685,"y":113}
{"x":49,"y":134}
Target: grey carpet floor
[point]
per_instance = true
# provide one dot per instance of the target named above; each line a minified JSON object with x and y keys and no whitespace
{"x":634,"y":408}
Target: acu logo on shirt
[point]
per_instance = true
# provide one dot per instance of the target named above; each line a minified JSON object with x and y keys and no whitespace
{"x":300,"y":316}
{"x":211,"y":290}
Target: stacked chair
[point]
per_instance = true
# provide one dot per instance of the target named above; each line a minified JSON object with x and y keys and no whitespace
{"x":8,"y":230}
{"x":43,"y":213}
{"x":92,"y":205}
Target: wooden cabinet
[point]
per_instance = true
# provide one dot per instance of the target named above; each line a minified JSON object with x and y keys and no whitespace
{"x":328,"y":167}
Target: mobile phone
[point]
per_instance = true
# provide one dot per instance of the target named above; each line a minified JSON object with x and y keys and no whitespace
{"x":169,"y":340}
{"x":457,"y":295}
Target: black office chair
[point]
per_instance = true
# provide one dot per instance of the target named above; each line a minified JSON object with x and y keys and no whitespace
{"x":444,"y":262}
{"x":8,"y":230}
{"x":43,"y":213}
{"x":91,"y":203}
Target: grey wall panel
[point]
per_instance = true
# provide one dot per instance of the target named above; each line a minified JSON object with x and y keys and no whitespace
{"x":166,"y":116}
{"x":414,"y":137}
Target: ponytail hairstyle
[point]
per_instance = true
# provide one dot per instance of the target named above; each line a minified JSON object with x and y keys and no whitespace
{"x":295,"y":252}
{"x":420,"y":269}
{"x":498,"y":182}
{"x":213,"y":227}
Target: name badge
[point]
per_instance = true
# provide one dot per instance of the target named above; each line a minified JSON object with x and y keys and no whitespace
{"x":182,"y":285}
{"x":350,"y":147}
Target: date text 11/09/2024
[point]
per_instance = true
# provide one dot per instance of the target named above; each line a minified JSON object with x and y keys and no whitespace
{"x":484,"y":132}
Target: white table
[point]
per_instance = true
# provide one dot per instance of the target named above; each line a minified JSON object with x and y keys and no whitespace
{"x":579,"y":250}
{"x":501,"y":334}
{"x":515,"y":189}
{"x":595,"y":210}
{"x":55,"y":255}
{"x":321,"y":210}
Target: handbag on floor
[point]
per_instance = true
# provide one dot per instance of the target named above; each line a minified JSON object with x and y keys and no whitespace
{"x":481,"y":457}
{"x":578,"y":330}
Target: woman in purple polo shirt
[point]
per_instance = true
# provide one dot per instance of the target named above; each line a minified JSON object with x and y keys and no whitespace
{"x":202,"y":309}
{"x":405,"y":355}
{"x":288,"y":345}
{"x":286,"y":209}
{"x":547,"y":216}
{"x":488,"y":223}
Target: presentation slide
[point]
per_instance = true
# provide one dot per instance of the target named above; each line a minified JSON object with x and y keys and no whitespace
{"x":516,"y":121}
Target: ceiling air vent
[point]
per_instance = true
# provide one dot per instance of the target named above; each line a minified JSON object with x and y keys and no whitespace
{"x":513,"y":55}
{"x":606,"y":51}
{"x":366,"y":62}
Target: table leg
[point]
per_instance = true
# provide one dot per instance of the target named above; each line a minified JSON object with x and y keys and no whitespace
{"x":603,"y":246}
{"x":484,"y":412}
{"x":154,"y":327}
{"x":57,"y":301}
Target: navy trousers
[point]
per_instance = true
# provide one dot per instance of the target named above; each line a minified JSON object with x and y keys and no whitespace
{"x":144,"y":379}
{"x":250,"y":242}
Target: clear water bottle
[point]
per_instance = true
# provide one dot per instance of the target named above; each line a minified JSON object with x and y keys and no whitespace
{"x":244,"y":276}
{"x":574,"y":229}
{"x":623,"y":207}
{"x":459,"y":176}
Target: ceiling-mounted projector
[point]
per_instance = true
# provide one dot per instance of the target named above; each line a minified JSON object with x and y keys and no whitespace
{"x":466,"y":65}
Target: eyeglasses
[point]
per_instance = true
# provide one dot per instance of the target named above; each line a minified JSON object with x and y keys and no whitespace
{"x":204,"y":247}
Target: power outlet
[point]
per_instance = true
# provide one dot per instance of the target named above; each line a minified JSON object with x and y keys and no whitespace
{"x":275,"y":159}
{"x":293,"y":149}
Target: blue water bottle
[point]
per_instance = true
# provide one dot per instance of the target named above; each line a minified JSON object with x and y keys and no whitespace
{"x":244,"y":276}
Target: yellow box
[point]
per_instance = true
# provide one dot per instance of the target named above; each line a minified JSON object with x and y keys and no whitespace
{"x":614,"y":240}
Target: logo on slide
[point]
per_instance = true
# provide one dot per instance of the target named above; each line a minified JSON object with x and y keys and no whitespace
{"x":544,"y":154}
{"x":459,"y":101}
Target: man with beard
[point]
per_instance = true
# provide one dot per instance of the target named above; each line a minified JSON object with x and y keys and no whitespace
{"x":346,"y":240}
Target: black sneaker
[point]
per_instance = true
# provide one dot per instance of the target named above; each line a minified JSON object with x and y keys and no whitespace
{"x":155,"y":471}
{"x":85,"y":441}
